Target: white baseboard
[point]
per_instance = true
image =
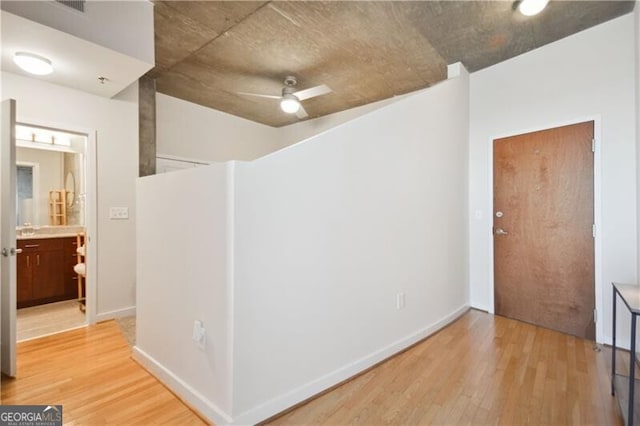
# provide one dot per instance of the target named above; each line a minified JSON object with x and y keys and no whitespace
{"x":118,"y":313}
{"x":182,"y":389}
{"x":295,"y":396}
{"x":623,"y":343}
{"x":306,"y":391}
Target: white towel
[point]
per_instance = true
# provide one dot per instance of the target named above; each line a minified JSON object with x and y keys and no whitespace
{"x":80,"y":269}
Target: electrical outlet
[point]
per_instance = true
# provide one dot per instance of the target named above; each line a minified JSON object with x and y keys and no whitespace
{"x":400,"y":301}
{"x":119,"y":213}
{"x":199,"y":334}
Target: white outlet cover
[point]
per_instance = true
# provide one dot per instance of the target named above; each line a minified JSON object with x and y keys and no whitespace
{"x":400,"y":303}
{"x":119,"y":213}
{"x":199,"y":334}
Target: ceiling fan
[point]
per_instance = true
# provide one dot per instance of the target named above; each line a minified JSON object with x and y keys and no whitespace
{"x":290,"y":98}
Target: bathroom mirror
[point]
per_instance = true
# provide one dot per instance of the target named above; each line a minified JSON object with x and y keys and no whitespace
{"x":41,"y":171}
{"x":70,"y":187}
{"x":51,"y":165}
{"x":44,"y":170}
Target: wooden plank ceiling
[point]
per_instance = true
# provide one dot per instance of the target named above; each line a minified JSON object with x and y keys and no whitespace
{"x":207,"y":51}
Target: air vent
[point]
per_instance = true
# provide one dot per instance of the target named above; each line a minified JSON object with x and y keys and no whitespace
{"x":74,"y":4}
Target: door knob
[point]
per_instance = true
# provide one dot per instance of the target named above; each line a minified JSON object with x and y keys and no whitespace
{"x":500,"y":231}
{"x":10,"y":252}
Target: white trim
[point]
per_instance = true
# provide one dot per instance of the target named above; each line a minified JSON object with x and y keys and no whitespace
{"x":91,"y":203}
{"x":118,"y":313}
{"x":91,"y":224}
{"x":597,"y":208}
{"x":308,"y":390}
{"x":276,"y":405}
{"x":597,"y":218}
{"x":181,"y":388}
{"x":231,"y":271}
{"x":183,"y":159}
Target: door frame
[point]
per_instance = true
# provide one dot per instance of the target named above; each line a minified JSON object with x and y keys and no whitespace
{"x":8,"y":289}
{"x":91,"y":203}
{"x":597,"y":209}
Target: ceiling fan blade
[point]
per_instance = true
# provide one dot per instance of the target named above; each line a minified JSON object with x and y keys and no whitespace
{"x":302,"y":113}
{"x":312,"y":92}
{"x":258,"y":95}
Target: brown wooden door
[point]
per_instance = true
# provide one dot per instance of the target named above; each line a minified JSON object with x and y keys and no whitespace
{"x":543,"y":235}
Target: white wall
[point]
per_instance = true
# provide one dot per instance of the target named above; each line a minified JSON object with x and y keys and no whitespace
{"x":293,"y":261}
{"x":306,"y":129}
{"x":114,"y":123}
{"x":50,"y":178}
{"x":185,"y":130}
{"x":184,"y":275}
{"x":587,"y":75}
{"x":327,"y":233}
{"x":123,"y":26}
{"x":193,"y":132}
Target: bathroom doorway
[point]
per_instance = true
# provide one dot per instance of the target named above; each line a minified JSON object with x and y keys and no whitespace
{"x":51,"y":230}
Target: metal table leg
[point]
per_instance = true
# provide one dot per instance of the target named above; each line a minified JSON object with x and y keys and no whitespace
{"x":632,"y":369}
{"x":613,"y":345}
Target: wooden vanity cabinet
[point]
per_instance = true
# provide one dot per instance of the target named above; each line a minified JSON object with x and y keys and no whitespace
{"x":43,"y":271}
{"x":24,"y":290}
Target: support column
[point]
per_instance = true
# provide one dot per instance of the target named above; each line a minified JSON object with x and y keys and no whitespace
{"x":147,"y":125}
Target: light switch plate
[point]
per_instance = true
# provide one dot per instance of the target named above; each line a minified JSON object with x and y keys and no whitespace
{"x":119,"y":213}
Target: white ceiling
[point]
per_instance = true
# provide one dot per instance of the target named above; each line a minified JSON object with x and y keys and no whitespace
{"x":77,"y":63}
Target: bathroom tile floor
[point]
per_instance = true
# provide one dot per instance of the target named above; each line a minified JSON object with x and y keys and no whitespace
{"x":128,"y":327}
{"x":43,"y":320}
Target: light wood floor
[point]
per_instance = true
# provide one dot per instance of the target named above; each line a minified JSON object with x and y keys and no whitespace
{"x":482,"y":369}
{"x":90,"y":372}
{"x":46,"y":319}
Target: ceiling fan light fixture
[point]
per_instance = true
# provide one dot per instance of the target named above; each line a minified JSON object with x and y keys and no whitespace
{"x":32,"y":63}
{"x":289,"y":104}
{"x":532,"y":7}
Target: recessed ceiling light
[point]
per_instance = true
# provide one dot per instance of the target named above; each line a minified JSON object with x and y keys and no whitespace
{"x":289,"y":103}
{"x":33,"y":64}
{"x":532,"y":7}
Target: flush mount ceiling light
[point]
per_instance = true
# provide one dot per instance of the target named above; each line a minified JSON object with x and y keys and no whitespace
{"x":33,"y":64}
{"x":289,"y":103}
{"x":532,"y":7}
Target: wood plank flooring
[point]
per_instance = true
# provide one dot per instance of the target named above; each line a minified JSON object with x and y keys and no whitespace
{"x":481,"y":370}
{"x":90,"y":372}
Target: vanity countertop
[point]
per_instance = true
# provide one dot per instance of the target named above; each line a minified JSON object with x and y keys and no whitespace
{"x":64,"y":231}
{"x":41,"y":236}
